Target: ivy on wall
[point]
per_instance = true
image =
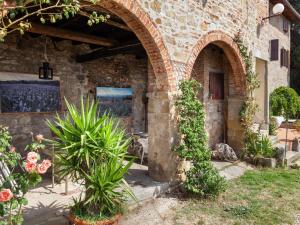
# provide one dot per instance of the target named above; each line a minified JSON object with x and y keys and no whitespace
{"x":249,"y":107}
{"x":202,"y":179}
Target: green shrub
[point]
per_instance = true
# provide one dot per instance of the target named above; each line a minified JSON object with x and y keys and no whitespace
{"x":272,"y":126}
{"x":92,"y":149}
{"x":202,"y":179}
{"x":284,"y":101}
{"x":259,"y":146}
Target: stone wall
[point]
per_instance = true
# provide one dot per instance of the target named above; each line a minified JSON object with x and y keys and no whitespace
{"x":25,"y":55}
{"x":174,"y":33}
{"x":212,"y":59}
{"x":183,"y":23}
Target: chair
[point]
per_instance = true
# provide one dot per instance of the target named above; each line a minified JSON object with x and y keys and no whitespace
{"x":5,"y":174}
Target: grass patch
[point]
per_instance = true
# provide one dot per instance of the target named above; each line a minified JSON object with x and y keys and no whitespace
{"x":262,"y":197}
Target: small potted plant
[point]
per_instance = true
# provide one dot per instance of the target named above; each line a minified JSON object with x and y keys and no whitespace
{"x":92,"y":150}
{"x":260,"y":151}
{"x":17,"y":176}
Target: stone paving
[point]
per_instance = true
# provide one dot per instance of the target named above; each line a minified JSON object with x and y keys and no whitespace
{"x":52,"y":203}
{"x":232,"y":170}
{"x":47,"y":205}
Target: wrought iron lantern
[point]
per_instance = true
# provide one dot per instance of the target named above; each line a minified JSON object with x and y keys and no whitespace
{"x":45,"y":72}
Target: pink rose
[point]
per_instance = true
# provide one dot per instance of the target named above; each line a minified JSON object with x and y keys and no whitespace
{"x":39,"y":138}
{"x":41,"y":168}
{"x":30,"y":167}
{"x":5,"y":195}
{"x":32,"y":157}
{"x":46,"y":163}
{"x":12,"y":149}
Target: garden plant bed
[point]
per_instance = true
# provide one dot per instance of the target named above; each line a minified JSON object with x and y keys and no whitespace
{"x":263,"y":162}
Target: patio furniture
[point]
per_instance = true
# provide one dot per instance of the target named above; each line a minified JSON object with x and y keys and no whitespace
{"x":5,"y":174}
{"x":140,"y":145}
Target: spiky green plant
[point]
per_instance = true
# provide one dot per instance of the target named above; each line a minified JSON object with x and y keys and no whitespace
{"x":92,"y":149}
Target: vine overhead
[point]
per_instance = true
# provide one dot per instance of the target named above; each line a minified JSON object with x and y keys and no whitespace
{"x":17,"y":15}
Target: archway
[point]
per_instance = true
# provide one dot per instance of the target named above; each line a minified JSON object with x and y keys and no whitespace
{"x":161,"y":84}
{"x":217,"y":64}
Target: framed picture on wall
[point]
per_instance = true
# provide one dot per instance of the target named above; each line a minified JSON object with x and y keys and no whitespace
{"x":117,"y":101}
{"x":19,"y":96}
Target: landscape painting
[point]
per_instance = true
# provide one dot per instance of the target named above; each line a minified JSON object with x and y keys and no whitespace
{"x":117,"y":101}
{"x":29,"y":96}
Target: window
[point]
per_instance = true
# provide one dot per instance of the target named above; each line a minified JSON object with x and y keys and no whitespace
{"x":285,"y":25}
{"x":216,"y":86}
{"x":274,"y":50}
{"x":284,"y":58}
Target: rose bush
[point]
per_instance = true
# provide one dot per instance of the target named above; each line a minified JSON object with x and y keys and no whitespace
{"x":21,"y":173}
{"x":6,"y":195}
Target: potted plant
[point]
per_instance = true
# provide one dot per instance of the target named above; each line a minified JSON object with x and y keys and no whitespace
{"x":284,"y":101}
{"x":92,"y":150}
{"x":17,"y":176}
{"x":260,"y":151}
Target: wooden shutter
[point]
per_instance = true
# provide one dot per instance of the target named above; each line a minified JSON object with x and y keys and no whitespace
{"x":284,"y":58}
{"x":216,"y":86}
{"x":287,"y":59}
{"x":274,"y":49}
{"x":285,"y":25}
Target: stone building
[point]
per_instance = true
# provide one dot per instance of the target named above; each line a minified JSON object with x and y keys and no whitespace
{"x":149,"y":46}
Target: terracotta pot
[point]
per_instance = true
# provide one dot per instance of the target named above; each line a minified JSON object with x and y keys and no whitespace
{"x":76,"y":221}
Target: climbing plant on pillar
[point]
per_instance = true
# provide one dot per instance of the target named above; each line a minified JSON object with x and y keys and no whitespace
{"x":249,"y":107}
{"x":202,"y":179}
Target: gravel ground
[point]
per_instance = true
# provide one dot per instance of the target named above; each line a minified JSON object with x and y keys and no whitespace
{"x":160,"y":211}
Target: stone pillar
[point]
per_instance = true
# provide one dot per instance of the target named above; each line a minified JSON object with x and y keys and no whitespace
{"x":235,"y":132}
{"x":162,"y":135}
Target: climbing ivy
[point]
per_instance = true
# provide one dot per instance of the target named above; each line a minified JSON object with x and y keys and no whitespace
{"x":249,"y":107}
{"x":202,"y":179}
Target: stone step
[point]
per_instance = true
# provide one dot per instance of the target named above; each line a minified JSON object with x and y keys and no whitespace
{"x":292,"y":157}
{"x":53,"y":204}
{"x":231,"y":170}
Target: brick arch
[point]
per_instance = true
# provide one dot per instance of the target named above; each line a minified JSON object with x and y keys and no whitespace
{"x":232,"y":53}
{"x":161,"y":87}
{"x":146,"y":31}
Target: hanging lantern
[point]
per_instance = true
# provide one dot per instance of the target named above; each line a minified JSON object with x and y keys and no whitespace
{"x":45,"y":72}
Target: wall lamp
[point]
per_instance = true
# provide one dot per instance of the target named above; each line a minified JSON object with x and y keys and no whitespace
{"x":278,"y":9}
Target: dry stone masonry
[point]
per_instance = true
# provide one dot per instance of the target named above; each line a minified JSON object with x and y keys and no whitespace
{"x":183,"y":39}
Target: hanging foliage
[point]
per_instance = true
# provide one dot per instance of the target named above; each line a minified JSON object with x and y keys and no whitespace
{"x":17,"y":15}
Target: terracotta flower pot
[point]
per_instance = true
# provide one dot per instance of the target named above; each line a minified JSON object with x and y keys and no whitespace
{"x":77,"y":221}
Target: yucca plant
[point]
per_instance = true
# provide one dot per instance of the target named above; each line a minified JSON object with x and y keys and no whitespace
{"x":92,"y":149}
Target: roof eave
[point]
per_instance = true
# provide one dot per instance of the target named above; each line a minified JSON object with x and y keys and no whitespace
{"x":290,"y":12}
